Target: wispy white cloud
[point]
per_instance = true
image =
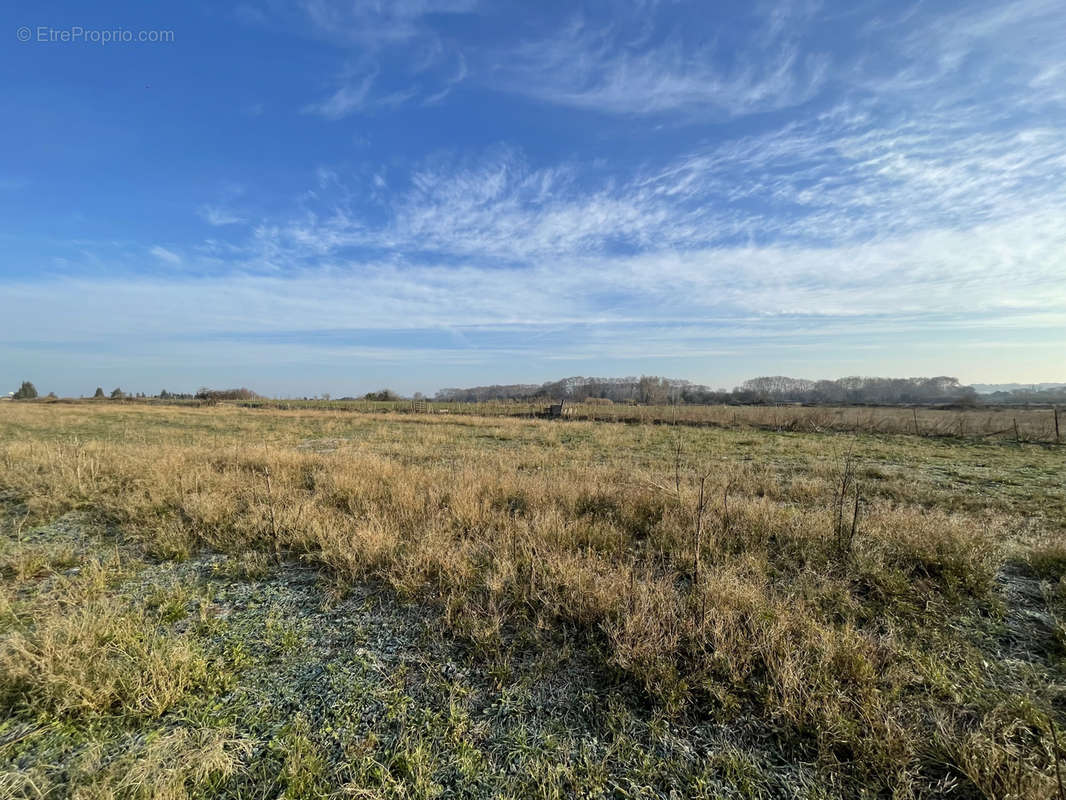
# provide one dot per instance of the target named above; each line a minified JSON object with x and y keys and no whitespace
{"x":453,"y":80}
{"x":376,"y":24}
{"x":1006,"y":268}
{"x":847,"y":176}
{"x":359,"y":91}
{"x":398,"y":40}
{"x":606,"y":69}
{"x":677,"y":62}
{"x":994,"y":292}
{"x":781,"y":55}
{"x":352,"y":96}
{"x":163,"y":254}
{"x":999,"y":58}
{"x":219,"y":216}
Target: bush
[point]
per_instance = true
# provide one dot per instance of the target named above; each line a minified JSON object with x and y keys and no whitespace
{"x":384,"y":394}
{"x":117,"y":394}
{"x":99,"y":393}
{"x":86,"y":653}
{"x":26,"y":392}
{"x":226,"y":394}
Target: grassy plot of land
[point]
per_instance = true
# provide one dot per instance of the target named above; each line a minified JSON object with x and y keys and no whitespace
{"x":1018,"y":423}
{"x":226,"y":602}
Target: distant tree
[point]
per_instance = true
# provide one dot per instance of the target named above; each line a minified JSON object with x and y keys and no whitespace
{"x":653,"y":390}
{"x":117,"y":394}
{"x":52,"y":396}
{"x":99,"y":392}
{"x":26,"y":392}
{"x":164,"y":395}
{"x":384,"y":394}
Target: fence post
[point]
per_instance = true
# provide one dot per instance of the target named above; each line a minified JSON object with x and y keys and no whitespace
{"x":915,"y":411}
{"x":1017,"y":437}
{"x":1057,"y":440}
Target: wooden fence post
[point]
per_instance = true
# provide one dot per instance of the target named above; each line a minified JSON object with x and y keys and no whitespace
{"x":1017,"y":437}
{"x":915,"y":410}
{"x":1057,"y":440}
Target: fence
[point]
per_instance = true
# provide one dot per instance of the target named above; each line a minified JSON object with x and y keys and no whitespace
{"x":1038,"y":425}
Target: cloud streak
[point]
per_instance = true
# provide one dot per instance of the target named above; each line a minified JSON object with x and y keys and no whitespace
{"x":1008,"y":268}
{"x":604,"y":69}
{"x":163,"y":254}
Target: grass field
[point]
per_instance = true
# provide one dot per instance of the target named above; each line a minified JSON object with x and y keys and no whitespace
{"x":263,"y":603}
{"x":1020,"y":424}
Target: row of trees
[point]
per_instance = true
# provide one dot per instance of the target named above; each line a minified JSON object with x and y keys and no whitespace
{"x":858,"y":390}
{"x":225,"y":394}
{"x":655,"y":390}
{"x":646,"y":389}
{"x":1043,"y":396}
{"x":27,"y":391}
{"x":116,"y":394}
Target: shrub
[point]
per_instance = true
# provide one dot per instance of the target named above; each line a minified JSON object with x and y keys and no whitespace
{"x":26,"y":392}
{"x":226,"y":394}
{"x":384,"y":394}
{"x":87,"y":654}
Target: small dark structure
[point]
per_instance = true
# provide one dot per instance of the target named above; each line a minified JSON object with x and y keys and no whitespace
{"x":560,"y":410}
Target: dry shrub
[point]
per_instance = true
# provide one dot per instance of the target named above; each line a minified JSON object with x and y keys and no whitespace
{"x":1005,"y":753}
{"x":31,"y":561}
{"x":646,"y":630}
{"x":182,"y":763}
{"x":1048,"y":560}
{"x":83,"y":652}
{"x":939,"y":554}
{"x":167,"y":538}
{"x":251,"y":565}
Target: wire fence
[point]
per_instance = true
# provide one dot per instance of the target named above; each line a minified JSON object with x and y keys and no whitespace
{"x":1037,"y":425}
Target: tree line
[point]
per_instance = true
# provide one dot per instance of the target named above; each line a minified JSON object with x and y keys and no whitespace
{"x":657,"y":390}
{"x":652,"y":389}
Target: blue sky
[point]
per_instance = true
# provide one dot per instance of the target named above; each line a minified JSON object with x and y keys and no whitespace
{"x":321,"y":196}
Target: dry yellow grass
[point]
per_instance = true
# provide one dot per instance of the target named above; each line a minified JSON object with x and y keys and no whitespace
{"x":714,"y":576}
{"x":1004,"y":423}
{"x":81,"y":653}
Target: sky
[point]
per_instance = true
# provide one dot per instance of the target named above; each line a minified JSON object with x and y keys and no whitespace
{"x":338,"y":196}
